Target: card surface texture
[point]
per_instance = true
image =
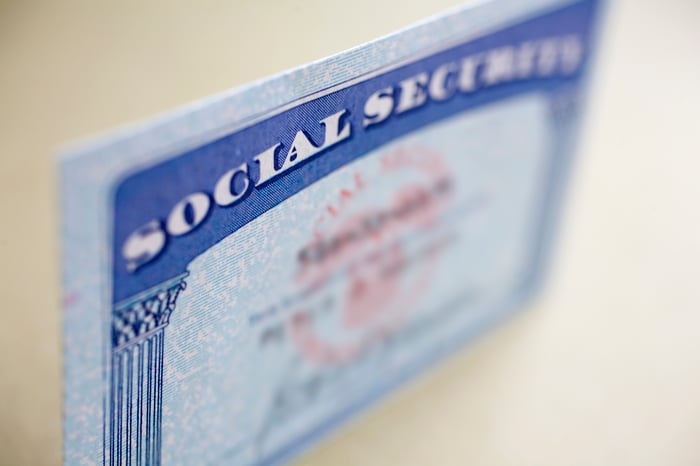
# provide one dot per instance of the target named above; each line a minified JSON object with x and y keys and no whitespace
{"x":245,"y":274}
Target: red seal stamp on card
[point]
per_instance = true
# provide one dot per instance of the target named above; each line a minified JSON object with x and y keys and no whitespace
{"x":362,"y":256}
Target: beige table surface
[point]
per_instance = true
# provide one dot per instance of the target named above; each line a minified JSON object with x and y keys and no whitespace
{"x":604,"y":369}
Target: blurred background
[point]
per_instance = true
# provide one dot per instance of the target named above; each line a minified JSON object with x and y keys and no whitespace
{"x":603,"y":369}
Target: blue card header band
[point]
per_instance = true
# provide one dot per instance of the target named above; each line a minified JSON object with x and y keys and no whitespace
{"x":170,"y":213}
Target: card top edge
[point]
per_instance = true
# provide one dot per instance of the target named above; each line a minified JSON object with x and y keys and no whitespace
{"x":287,"y":87}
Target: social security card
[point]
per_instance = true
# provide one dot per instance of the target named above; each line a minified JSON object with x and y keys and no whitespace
{"x":245,"y":274}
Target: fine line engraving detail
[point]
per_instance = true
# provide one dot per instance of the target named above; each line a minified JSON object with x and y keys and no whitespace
{"x":136,"y":395}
